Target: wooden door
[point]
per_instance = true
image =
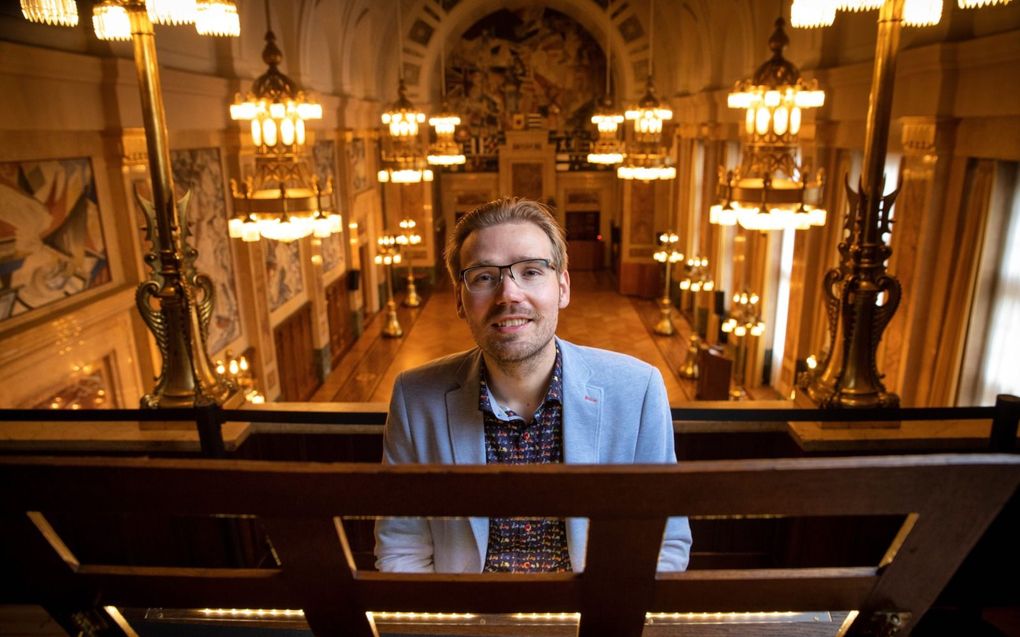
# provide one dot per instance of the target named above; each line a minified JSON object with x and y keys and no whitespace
{"x":341,"y":332}
{"x":295,"y":356}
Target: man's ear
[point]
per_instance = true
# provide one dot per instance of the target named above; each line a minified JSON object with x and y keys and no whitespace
{"x":460,"y":303}
{"x":564,"y":289}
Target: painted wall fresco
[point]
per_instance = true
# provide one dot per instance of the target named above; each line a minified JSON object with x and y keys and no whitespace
{"x":200,"y":171}
{"x":89,"y":387}
{"x":324,"y":157}
{"x":528,"y":61}
{"x":51,"y":234}
{"x":356,"y":163}
{"x":283,"y":271}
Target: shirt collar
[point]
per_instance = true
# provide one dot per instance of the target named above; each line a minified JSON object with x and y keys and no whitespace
{"x":554,"y":394}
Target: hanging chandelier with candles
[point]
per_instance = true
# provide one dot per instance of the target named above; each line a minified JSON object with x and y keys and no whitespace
{"x":770,"y":191}
{"x":608,"y":149}
{"x":916,"y":13}
{"x":283,"y":201}
{"x":646,"y":156}
{"x":445,"y":151}
{"x":403,"y":159}
{"x":110,"y":17}
{"x":61,"y":13}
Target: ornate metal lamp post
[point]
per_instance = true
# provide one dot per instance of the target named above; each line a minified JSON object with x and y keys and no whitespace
{"x":176,"y":301}
{"x":389,"y":255}
{"x":668,"y":255}
{"x":698,"y":278}
{"x":848,"y":376}
{"x":408,"y":237}
{"x":743,"y":323}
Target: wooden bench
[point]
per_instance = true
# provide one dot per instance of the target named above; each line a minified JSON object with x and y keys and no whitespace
{"x":947,"y":502}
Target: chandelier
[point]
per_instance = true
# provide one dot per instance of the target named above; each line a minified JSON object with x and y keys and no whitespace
{"x":110,"y":17}
{"x":646,"y":157}
{"x":283,"y":201}
{"x":62,"y":13}
{"x":401,"y":154}
{"x":916,"y":13}
{"x":769,"y":191}
{"x":402,"y":157}
{"x":608,"y":150}
{"x":445,"y":151}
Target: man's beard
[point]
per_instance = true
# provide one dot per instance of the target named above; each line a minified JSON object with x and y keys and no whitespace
{"x":509,"y":349}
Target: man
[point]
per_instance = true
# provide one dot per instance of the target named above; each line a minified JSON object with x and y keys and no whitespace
{"x":521,"y":396}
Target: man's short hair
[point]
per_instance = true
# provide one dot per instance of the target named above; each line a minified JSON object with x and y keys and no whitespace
{"x":498,"y":212}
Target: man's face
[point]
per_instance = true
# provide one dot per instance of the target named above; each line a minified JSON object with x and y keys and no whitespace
{"x":512,"y":324}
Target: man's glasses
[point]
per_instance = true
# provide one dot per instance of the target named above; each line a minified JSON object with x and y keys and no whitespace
{"x":527,"y":274}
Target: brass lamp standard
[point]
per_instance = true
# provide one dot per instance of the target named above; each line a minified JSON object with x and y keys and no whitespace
{"x":238,"y":371}
{"x":698,"y":278}
{"x":849,"y":376}
{"x":668,"y":255}
{"x":407,"y":238}
{"x":183,"y":297}
{"x":389,"y":255}
{"x":743,"y":323}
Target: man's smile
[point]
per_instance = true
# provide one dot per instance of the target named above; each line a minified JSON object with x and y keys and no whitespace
{"x":511,"y":324}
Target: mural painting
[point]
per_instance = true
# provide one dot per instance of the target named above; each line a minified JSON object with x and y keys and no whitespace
{"x":324,"y":156}
{"x":199,"y":171}
{"x":528,"y":61}
{"x":51,"y":234}
{"x":89,"y":387}
{"x":356,"y":163}
{"x":283,"y":270}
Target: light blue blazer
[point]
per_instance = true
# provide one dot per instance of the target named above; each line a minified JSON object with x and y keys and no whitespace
{"x":615,"y":411}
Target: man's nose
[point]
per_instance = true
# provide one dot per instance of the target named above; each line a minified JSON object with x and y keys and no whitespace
{"x":508,"y":286}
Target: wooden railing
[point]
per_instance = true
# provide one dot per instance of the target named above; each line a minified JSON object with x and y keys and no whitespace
{"x":1004,"y":417}
{"x":946,"y":502}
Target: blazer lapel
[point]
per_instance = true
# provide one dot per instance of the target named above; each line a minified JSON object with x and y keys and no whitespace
{"x":582,"y":418}
{"x":582,"y":408}
{"x":467,"y":436}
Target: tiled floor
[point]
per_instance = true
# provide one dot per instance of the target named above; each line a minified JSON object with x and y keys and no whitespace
{"x":597,"y":316}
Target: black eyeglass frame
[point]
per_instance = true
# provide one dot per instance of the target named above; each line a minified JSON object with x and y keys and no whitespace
{"x":507,"y":268}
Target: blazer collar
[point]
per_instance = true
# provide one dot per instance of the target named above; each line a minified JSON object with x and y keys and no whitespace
{"x":467,"y":434}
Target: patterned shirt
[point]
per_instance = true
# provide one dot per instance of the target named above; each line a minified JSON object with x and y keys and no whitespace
{"x":525,"y":545}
